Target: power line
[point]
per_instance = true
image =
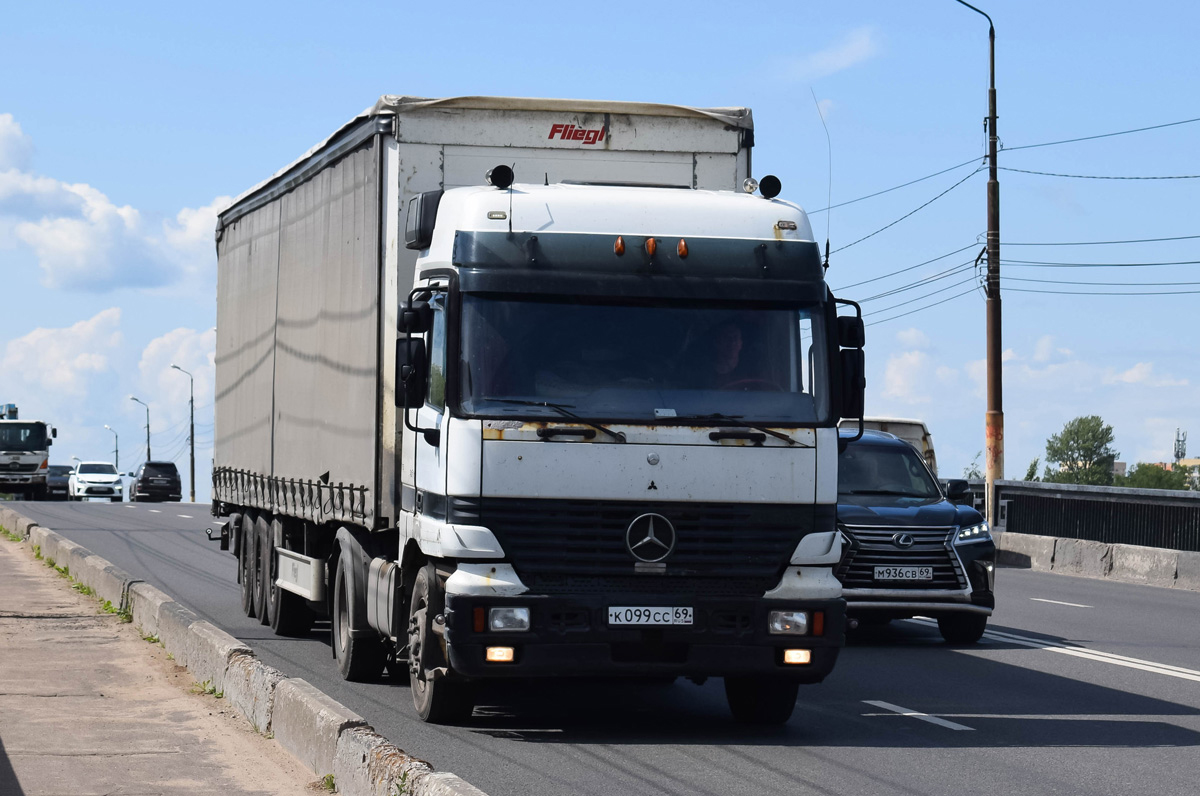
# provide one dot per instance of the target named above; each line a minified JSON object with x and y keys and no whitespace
{"x":920,"y":309}
{"x":1098,"y":177}
{"x":909,"y":268}
{"x":1103,"y":135}
{"x":922,"y":297}
{"x":896,"y":187}
{"x":1103,"y":242}
{"x":1090,"y":283}
{"x":911,"y":212}
{"x":1049,"y":264}
{"x":958,"y":269}
{"x":1099,"y":293}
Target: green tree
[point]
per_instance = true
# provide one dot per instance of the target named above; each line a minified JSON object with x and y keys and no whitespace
{"x":1031,"y":473}
{"x":1083,"y":452}
{"x":972,"y":471}
{"x":1154,"y":476}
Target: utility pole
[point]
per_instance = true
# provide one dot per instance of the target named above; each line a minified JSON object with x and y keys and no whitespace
{"x":143,"y":403}
{"x":994,"y":419}
{"x":116,"y":448}
{"x":191,"y":429}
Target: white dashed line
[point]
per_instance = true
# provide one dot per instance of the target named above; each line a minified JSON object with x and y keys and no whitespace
{"x":185,"y":516}
{"x":917,"y":715}
{"x":1058,"y":602}
{"x":155,"y":511}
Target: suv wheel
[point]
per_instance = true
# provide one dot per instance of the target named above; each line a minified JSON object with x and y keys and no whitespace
{"x":962,"y":628}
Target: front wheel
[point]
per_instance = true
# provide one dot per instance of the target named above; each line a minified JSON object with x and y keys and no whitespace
{"x":359,"y":658}
{"x":438,"y":696}
{"x":761,"y":700}
{"x":962,"y":628}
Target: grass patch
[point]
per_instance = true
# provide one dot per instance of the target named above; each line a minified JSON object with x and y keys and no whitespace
{"x":151,"y":639}
{"x":87,"y":591}
{"x":327,"y":783}
{"x":402,"y":787}
{"x":207,"y":688}
{"x":37,"y":552}
{"x":125,"y":616}
{"x":10,"y":536}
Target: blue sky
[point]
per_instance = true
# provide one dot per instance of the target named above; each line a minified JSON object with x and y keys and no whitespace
{"x":123,"y":131}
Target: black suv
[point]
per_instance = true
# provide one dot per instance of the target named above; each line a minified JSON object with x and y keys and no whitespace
{"x":911,"y":552}
{"x":156,"y":481}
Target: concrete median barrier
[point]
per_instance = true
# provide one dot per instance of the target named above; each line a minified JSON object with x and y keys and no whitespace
{"x":22,"y":525}
{"x":308,"y":723}
{"x":1187,"y":571}
{"x":1082,"y":557}
{"x":1025,"y":550}
{"x":367,"y":764}
{"x":145,"y":604}
{"x":8,"y":520}
{"x":1148,"y":565}
{"x":209,"y":652}
{"x":174,"y":624}
{"x":250,"y":687}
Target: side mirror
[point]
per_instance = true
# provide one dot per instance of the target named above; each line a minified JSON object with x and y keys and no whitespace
{"x":412,"y":372}
{"x":851,"y":332}
{"x":49,"y":442}
{"x":957,"y":489}
{"x":422,"y":213}
{"x":854,"y":382}
{"x":54,"y":432}
{"x":416,"y":319}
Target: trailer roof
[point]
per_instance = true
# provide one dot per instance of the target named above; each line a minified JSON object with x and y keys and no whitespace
{"x":391,"y":105}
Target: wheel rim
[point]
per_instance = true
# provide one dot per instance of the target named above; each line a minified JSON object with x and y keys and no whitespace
{"x":416,"y":646}
{"x":343,"y":619}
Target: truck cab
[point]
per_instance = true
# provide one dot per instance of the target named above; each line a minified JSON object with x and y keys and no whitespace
{"x":24,"y":454}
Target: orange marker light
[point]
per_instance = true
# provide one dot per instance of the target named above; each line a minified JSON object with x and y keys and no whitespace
{"x":619,"y":246}
{"x":480,"y":621}
{"x":818,"y":625}
{"x":651,"y":246}
{"x":682,"y":248}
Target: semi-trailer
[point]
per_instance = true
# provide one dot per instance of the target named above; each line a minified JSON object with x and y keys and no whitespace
{"x":523,"y":388}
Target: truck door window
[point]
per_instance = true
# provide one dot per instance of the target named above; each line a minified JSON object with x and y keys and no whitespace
{"x":437,"y":355}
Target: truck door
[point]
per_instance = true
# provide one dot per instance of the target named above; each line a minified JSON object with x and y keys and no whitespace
{"x":431,"y":460}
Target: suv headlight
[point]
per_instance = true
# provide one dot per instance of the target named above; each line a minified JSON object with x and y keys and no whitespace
{"x":974,"y":533}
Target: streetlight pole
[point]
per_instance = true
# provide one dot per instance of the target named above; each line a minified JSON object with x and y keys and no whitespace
{"x":143,"y":403}
{"x":994,"y":419}
{"x":191,"y":429}
{"x":116,"y":448}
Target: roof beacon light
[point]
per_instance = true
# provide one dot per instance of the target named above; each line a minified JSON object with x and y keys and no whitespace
{"x":500,"y":176}
{"x":651,"y":246}
{"x":619,"y":246}
{"x":682,"y":249}
{"x":750,"y":185}
{"x":770,"y":186}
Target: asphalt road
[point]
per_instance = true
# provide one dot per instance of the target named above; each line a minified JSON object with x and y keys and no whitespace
{"x":1080,"y":687}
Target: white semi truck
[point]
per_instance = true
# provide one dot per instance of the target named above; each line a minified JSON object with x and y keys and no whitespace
{"x":583,"y":423}
{"x":24,"y":454}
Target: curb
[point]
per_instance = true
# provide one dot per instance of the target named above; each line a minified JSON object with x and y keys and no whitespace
{"x":1144,"y":566}
{"x":320,"y":732}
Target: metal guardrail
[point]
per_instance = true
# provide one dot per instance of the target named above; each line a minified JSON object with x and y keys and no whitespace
{"x":305,"y":499}
{"x":1162,"y":518}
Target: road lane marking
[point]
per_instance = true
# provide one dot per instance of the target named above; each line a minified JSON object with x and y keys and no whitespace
{"x":1086,"y":654}
{"x":155,"y":511}
{"x":1059,"y":602}
{"x":185,"y":516}
{"x":917,"y":715}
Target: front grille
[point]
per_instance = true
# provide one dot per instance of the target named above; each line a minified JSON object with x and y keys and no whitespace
{"x":871,"y":546}
{"x":578,"y":546}
{"x":18,"y":467}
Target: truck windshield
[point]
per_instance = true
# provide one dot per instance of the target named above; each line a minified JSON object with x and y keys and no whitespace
{"x":22,"y":436}
{"x":642,"y":363}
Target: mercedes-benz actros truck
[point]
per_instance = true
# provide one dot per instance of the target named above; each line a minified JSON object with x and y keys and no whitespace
{"x":516,"y":388}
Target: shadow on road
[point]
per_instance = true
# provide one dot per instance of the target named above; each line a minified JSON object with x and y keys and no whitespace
{"x":9,"y":785}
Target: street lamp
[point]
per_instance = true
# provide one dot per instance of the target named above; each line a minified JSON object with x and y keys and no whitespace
{"x":116,"y":448}
{"x":143,"y":403}
{"x":994,"y":419}
{"x":191,"y":429}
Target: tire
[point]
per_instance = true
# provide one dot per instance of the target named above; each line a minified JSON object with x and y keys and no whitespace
{"x":287,"y":613}
{"x":360,"y":659}
{"x":962,"y":628}
{"x":443,"y":699}
{"x":116,"y":499}
{"x":761,"y":700}
{"x":246,"y":563}
{"x":262,"y":574}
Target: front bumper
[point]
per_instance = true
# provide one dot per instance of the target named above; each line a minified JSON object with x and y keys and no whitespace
{"x":570,"y":637}
{"x":978,"y":564}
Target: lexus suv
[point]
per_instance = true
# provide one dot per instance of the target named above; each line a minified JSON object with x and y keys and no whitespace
{"x":911,"y":551}
{"x":57,"y":480}
{"x":94,"y":480}
{"x":156,"y":481}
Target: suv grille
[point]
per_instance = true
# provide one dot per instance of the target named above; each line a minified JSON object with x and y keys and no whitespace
{"x":578,"y":546}
{"x":871,"y":546}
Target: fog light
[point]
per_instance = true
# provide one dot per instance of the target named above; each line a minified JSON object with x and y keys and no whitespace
{"x":509,"y":618}
{"x":792,"y":656}
{"x":505,"y":654}
{"x":790,"y":623}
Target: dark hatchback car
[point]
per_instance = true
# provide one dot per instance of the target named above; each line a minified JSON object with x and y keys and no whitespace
{"x":156,"y":481}
{"x":911,"y":551}
{"x":56,"y":481}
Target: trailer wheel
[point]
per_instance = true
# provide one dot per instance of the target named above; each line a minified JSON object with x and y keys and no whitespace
{"x":261,"y":574}
{"x":761,"y":700}
{"x":359,"y":658}
{"x":438,"y":696}
{"x":246,"y":562}
{"x":287,"y":613}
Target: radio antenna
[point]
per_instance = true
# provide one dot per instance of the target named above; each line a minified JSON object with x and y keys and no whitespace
{"x":829,"y":194}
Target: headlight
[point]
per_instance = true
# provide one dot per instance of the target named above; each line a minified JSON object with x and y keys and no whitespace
{"x":788,"y":623}
{"x":975,"y":533}
{"x":508,"y":618}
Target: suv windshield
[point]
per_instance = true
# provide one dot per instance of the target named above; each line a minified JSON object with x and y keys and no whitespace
{"x":873,"y":471}
{"x":22,"y":437}
{"x":160,"y":470}
{"x":642,"y":363}
{"x":97,"y":469}
{"x":60,"y":469}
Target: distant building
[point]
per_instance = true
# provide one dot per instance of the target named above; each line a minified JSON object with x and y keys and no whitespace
{"x":1119,"y":469}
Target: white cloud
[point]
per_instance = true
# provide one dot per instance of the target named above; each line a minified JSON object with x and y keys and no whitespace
{"x":855,"y":47}
{"x":913,"y":338}
{"x":16,"y":148}
{"x":60,"y":361}
{"x":1142,"y":373}
{"x":906,"y":377}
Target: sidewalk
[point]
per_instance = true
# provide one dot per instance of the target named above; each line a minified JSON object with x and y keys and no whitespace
{"x":89,"y":707}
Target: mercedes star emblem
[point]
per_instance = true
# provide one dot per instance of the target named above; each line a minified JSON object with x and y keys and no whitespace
{"x":650,"y":538}
{"x":904,"y":540}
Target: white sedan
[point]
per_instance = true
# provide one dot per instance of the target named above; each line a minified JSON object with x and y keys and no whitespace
{"x":94,"y":480}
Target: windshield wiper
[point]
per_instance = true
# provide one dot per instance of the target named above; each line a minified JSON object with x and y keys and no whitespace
{"x":562,"y":410}
{"x":736,"y":420}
